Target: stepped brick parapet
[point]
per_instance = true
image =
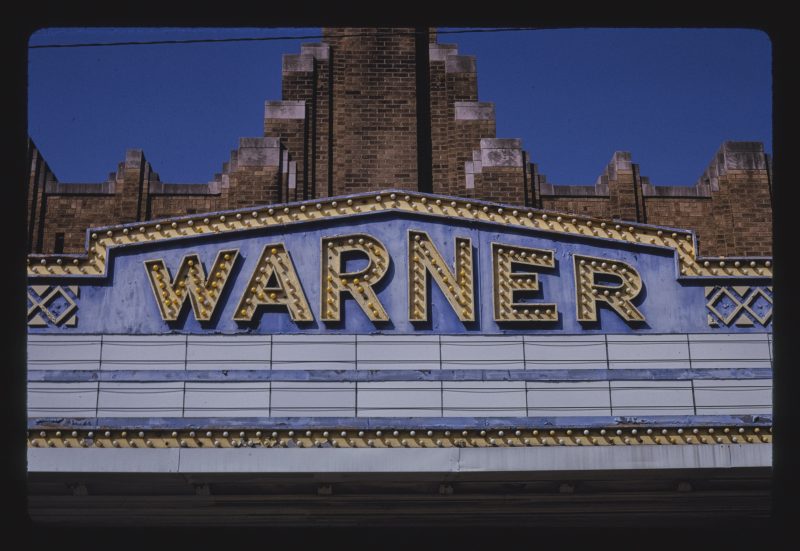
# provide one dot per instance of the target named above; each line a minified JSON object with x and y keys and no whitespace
{"x":368,"y":109}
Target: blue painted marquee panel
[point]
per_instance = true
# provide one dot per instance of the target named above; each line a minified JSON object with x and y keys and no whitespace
{"x":418,"y":423}
{"x":123,"y":302}
{"x":322,"y":375}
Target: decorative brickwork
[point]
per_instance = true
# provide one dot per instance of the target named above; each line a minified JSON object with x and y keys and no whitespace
{"x":349,"y":122}
{"x":730,"y":206}
{"x":135,"y":193}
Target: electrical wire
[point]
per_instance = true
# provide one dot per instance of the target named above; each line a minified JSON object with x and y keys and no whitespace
{"x":260,"y":38}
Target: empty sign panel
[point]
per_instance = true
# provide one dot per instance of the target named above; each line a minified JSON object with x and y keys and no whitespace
{"x":397,"y":376}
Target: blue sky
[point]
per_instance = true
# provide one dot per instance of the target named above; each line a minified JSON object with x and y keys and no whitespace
{"x":574,"y":96}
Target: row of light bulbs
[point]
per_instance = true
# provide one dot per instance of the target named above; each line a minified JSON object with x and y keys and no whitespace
{"x":411,"y":438}
{"x":637,"y":234}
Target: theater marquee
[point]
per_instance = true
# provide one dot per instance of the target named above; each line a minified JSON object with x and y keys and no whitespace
{"x":394,"y":263}
{"x":385,"y":322}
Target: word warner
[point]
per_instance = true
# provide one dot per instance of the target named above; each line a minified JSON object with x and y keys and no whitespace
{"x":275,"y":282}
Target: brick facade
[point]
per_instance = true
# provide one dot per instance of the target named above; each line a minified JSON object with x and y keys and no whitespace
{"x":349,"y":121}
{"x":134,"y":192}
{"x":730,"y":206}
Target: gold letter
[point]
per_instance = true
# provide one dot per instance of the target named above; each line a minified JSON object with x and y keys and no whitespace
{"x":619,"y":297}
{"x":507,"y":282}
{"x":424,"y":259}
{"x":358,"y":284}
{"x":274,"y":264}
{"x":190,"y":280}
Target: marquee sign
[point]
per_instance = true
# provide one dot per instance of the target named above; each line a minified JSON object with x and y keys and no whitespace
{"x":397,"y":262}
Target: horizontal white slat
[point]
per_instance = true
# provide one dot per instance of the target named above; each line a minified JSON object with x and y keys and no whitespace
{"x":482,"y":352}
{"x":144,"y":352}
{"x":228,"y":352}
{"x":590,"y":398}
{"x":227,"y":400}
{"x":398,"y":351}
{"x":163,"y":399}
{"x":729,"y":350}
{"x":648,"y":352}
{"x":484,"y":399}
{"x":313,"y":399}
{"x":64,"y":352}
{"x":565,"y":352}
{"x":62,"y":399}
{"x":313,"y":351}
{"x":400,"y":399}
{"x":732,"y":397}
{"x":652,"y":398}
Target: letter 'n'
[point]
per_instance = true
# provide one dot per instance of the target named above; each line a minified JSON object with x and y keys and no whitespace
{"x":423,"y":259}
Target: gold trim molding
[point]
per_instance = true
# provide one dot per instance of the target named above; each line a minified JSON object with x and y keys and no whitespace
{"x":102,"y":240}
{"x":389,"y":438}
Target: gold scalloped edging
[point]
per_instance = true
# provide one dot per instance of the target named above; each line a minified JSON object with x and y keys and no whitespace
{"x":337,"y":438}
{"x":233,"y":221}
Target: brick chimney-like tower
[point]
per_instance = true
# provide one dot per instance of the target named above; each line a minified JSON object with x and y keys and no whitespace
{"x":374,"y":109}
{"x":350,"y":110}
{"x":354,"y":107}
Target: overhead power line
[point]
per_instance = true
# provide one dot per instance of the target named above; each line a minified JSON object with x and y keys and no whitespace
{"x":258,"y":39}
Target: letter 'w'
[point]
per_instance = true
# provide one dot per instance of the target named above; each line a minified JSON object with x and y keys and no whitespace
{"x":190,"y":281}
